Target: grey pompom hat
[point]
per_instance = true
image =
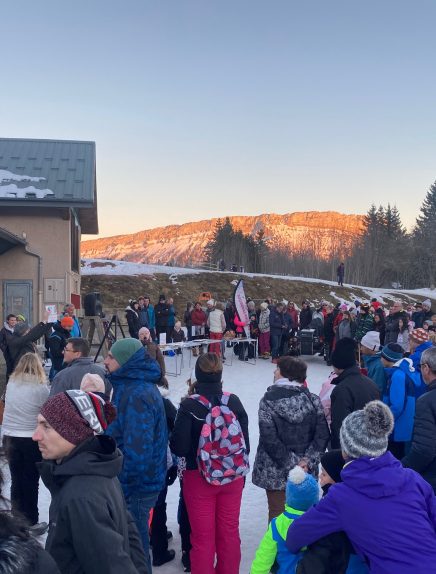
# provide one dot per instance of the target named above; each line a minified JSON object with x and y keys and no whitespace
{"x":366,"y":432}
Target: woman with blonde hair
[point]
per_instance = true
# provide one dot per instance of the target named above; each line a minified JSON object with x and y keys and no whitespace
{"x":26,"y":392}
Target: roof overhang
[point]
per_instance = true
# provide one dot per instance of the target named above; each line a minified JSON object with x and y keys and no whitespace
{"x":9,"y":240}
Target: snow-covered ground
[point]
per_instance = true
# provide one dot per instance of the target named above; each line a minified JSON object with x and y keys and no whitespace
{"x":115,"y":267}
{"x":249,"y":382}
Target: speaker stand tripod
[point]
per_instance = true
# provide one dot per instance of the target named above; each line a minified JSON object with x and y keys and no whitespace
{"x":106,"y":331}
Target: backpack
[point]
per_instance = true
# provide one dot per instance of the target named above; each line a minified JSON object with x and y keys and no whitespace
{"x":222,"y":454}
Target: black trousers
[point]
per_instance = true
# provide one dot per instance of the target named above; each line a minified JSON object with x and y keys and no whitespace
{"x":22,"y":454}
{"x":184,"y":525}
{"x":158,"y":534}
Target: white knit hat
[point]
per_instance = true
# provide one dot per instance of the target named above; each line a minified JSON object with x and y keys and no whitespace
{"x":427,"y":303}
{"x":371,"y":340}
{"x":92,"y":383}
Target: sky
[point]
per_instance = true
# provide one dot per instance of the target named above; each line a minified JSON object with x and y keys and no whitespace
{"x":204,"y":108}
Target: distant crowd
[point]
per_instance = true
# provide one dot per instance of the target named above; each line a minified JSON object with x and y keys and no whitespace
{"x":275,"y":325}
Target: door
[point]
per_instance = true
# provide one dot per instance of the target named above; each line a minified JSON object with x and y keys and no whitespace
{"x":17,"y":298}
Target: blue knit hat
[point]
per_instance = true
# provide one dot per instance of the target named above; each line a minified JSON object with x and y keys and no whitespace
{"x":302,"y":490}
{"x":392,"y":352}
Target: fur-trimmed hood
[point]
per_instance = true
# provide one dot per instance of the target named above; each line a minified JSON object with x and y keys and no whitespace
{"x":24,"y":556}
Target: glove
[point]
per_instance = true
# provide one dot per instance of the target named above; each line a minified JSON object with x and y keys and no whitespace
{"x":171,"y":475}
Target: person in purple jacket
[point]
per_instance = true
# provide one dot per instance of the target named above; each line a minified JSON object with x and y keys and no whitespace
{"x":387,"y":511}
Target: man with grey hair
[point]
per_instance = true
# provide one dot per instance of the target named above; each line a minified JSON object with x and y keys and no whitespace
{"x":422,"y":453}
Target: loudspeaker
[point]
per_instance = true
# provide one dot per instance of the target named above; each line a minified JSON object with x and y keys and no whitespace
{"x":92,"y":305}
{"x":306,"y":341}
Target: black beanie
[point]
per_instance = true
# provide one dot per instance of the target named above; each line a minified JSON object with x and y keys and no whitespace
{"x":344,"y":355}
{"x":333,"y":462}
{"x":203,"y":377}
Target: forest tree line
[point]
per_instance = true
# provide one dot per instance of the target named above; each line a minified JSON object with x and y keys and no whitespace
{"x":385,"y":255}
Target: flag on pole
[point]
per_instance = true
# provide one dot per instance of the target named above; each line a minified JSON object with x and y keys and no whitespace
{"x":240,"y":302}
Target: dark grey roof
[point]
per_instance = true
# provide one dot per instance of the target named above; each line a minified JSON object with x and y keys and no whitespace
{"x":51,"y":173}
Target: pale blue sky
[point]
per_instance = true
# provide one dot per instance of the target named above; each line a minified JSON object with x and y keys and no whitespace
{"x":204,"y":108}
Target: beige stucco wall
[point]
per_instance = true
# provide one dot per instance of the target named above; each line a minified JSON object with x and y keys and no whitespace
{"x":47,"y":234}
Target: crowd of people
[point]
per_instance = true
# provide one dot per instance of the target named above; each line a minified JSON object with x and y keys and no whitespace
{"x":276,"y":325}
{"x":108,"y":443}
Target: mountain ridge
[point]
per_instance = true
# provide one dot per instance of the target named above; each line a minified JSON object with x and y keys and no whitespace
{"x":184,"y":243}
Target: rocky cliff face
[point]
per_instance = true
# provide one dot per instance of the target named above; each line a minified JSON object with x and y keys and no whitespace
{"x":325,"y":233}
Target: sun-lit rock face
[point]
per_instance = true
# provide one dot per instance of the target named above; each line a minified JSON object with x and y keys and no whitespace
{"x":326,"y":233}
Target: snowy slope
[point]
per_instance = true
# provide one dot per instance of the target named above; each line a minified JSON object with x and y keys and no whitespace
{"x":115,"y":267}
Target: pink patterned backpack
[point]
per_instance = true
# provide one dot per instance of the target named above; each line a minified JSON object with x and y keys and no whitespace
{"x":222,"y":454}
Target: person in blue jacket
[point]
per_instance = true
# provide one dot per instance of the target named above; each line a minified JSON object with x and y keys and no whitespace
{"x":419,"y":342}
{"x":371,"y":355}
{"x":151,"y":317}
{"x":140,"y":429}
{"x":399,"y":393}
{"x":69,"y":310}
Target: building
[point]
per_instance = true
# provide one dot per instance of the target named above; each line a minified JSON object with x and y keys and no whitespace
{"x":48,"y":198}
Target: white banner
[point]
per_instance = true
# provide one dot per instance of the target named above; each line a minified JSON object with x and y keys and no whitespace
{"x":241,"y":306}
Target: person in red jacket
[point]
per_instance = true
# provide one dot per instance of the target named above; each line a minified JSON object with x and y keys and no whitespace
{"x":292,"y":311}
{"x":199,"y":319}
{"x":240,"y":332}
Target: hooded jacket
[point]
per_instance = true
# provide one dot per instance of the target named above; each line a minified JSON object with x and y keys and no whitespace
{"x":162,"y":312}
{"x":146,"y":316}
{"x":5,"y":333}
{"x":133,"y":321}
{"x":56,"y":344}
{"x":402,"y":383}
{"x":416,"y":359}
{"x":422,"y":453}
{"x":292,"y":426}
{"x":305,"y":317}
{"x":376,"y":371}
{"x":20,"y":555}
{"x":351,"y":393}
{"x":20,"y":345}
{"x":272,"y":547}
{"x":90,"y":530}
{"x":140,"y":429}
{"x":388,"y":513}
{"x":276,"y":322}
{"x":72,"y":374}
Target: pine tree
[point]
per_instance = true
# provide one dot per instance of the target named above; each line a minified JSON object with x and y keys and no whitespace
{"x":424,"y":239}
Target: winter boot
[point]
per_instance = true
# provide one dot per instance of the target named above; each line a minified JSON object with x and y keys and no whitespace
{"x":186,"y":561}
{"x":166,"y":557}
